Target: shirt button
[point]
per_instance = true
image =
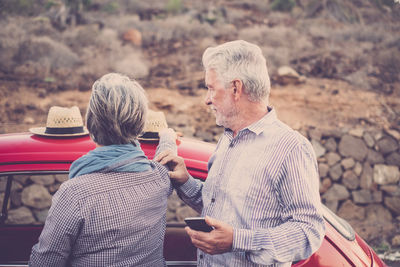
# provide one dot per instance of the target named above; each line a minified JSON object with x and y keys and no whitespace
{"x":201,"y":256}
{"x":213,"y":200}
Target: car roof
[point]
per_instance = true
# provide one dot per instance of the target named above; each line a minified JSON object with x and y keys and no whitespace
{"x":30,"y":152}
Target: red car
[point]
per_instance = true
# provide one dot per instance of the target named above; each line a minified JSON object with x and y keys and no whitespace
{"x":25,"y":157}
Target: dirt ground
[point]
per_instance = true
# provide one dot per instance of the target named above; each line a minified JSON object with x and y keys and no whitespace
{"x":321,"y":103}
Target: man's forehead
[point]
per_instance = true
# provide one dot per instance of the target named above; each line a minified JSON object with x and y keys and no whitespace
{"x":210,"y":75}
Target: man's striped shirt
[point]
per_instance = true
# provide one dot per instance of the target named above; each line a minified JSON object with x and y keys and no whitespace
{"x":264,"y":182}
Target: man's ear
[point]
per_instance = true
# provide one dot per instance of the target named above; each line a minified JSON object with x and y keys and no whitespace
{"x":237,"y":89}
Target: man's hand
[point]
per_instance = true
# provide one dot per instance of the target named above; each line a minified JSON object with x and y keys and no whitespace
{"x":178,"y":173}
{"x":217,"y":241}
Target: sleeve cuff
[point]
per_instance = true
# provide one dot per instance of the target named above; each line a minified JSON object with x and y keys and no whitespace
{"x":251,"y":240}
{"x":242,"y":240}
{"x":190,"y":188}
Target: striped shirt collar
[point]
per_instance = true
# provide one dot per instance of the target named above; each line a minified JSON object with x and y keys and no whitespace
{"x":258,"y":126}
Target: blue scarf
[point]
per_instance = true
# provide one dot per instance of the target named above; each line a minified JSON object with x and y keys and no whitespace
{"x":115,"y":158}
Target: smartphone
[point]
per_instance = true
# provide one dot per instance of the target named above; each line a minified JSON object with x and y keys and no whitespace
{"x":198,"y":224}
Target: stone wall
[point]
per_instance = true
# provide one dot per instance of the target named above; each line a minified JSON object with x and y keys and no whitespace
{"x":359,"y":180}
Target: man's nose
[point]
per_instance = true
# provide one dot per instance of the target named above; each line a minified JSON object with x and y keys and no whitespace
{"x":207,"y":100}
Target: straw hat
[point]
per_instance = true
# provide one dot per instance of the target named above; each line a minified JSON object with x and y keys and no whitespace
{"x":155,"y":122}
{"x":62,"y":122}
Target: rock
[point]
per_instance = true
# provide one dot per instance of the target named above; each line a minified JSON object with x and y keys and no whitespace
{"x":16,"y":198}
{"x":324,"y":186}
{"x":43,"y":179}
{"x":2,"y":201}
{"x":393,"y":203}
{"x":349,"y":211}
{"x":366,"y":176}
{"x":348,"y":163}
{"x":287,"y":75}
{"x":53,"y":188}
{"x":365,"y":196}
{"x":336,"y":192}
{"x":332,"y":205}
{"x":336,"y":172}
{"x":396,"y":241}
{"x":14,"y":185}
{"x":22,"y":215}
{"x":357,"y":132}
{"x":332,"y":158}
{"x":36,"y":196}
{"x":171,"y":216}
{"x":29,"y":120}
{"x":331,"y":144}
{"x":374,"y":157}
{"x":315,"y":134}
{"x":391,"y":190}
{"x":369,"y":139}
{"x":353,"y":147}
{"x":323,"y":169}
{"x":393,"y":133}
{"x":133,"y":36}
{"x":386,"y":174}
{"x":41,"y":215}
{"x":393,"y":159}
{"x":22,"y":179}
{"x":387,"y":144}
{"x":376,"y":225}
{"x":350,"y":180}
{"x":174,"y":202}
{"x":61,"y":177}
{"x":358,"y":168}
{"x":318,"y":148}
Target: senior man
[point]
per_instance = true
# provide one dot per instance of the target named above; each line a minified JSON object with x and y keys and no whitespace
{"x":261,"y":194}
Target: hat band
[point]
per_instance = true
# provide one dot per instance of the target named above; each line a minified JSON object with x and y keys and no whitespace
{"x":66,"y":130}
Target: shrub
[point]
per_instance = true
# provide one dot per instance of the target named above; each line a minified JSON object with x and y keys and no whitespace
{"x":283,"y":5}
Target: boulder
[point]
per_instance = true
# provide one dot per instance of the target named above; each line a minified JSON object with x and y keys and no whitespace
{"x":21,"y":215}
{"x":336,"y":192}
{"x":43,"y":179}
{"x":353,"y":147}
{"x":387,"y":144}
{"x":36,"y":196}
{"x":386,"y":174}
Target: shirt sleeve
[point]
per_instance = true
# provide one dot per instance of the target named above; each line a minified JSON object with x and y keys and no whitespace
{"x":60,"y":231}
{"x":303,"y":227}
{"x":167,"y":142}
{"x":190,"y":193}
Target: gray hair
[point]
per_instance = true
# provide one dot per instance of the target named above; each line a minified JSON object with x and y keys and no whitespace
{"x":117,"y":110}
{"x":240,"y":60}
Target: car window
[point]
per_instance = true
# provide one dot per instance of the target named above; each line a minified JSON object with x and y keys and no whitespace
{"x":26,"y":198}
{"x":343,"y":227}
{"x":29,"y":195}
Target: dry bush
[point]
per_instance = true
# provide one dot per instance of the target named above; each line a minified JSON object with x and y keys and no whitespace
{"x":174,"y":29}
{"x":280,"y":44}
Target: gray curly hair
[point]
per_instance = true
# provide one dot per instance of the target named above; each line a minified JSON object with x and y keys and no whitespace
{"x":240,"y":60}
{"x":117,"y":110}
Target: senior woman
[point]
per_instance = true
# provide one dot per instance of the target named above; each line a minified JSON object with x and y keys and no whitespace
{"x":113,"y":210}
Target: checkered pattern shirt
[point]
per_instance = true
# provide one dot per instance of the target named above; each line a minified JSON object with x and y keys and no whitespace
{"x":265,"y":183}
{"x":106,"y":219}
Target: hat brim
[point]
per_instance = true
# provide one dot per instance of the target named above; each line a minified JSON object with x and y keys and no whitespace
{"x":149,"y":136}
{"x":42,"y":131}
{"x":148,"y":139}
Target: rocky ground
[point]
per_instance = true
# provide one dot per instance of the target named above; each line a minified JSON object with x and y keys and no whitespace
{"x":347,"y":54}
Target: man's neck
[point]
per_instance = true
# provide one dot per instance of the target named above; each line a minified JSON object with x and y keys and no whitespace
{"x":250,"y":114}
